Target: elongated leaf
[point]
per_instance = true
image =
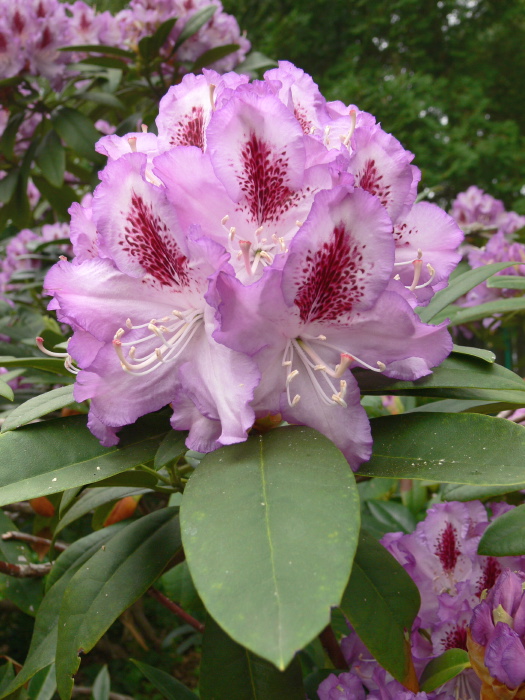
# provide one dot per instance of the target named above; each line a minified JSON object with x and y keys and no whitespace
{"x":381,"y":601}
{"x":459,"y":376}
{"x":172,"y":447}
{"x":48,"y":364}
{"x":212,"y":55}
{"x":93,"y":498}
{"x":6,"y":391}
{"x":60,"y":198}
{"x":99,"y":48}
{"x":43,"y":684}
{"x":506,"y":535}
{"x":195,"y":22}
{"x":51,"y":158}
{"x":77,"y":131}
{"x":468,"y":492}
{"x":462,"y":406}
{"x":459,"y":448}
{"x":270,"y":529}
{"x":394,"y":516}
{"x":169,"y":687}
{"x":457,"y":288}
{"x":44,"y":458}
{"x":108,"y":584}
{"x":506,"y":282}
{"x":486,"y":355}
{"x":103,"y":62}
{"x":255,"y":61}
{"x":443,"y":668}
{"x":43,"y":643}
{"x":149,"y":46}
{"x":38,"y":406}
{"x":8,"y":186}
{"x":231,"y":672}
{"x":476,"y":313}
{"x":102,"y":684}
{"x":104,"y":98}
{"x":25,"y":593}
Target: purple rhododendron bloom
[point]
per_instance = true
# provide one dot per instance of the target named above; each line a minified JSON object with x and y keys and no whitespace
{"x":498,"y":625}
{"x":345,"y":686}
{"x":475,"y":208}
{"x":244,"y":261}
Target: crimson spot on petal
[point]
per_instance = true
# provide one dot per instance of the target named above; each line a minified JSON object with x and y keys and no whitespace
{"x":329,"y":281}
{"x":371,"y":180}
{"x":263,"y":181}
{"x":149,"y":240}
{"x":455,"y":639}
{"x":491,"y":570}
{"x":190,"y":129}
{"x":447,"y":548}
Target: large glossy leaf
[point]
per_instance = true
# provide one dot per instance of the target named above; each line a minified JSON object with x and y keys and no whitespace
{"x":43,"y":684}
{"x":459,"y":376}
{"x":38,"y":406}
{"x":468,"y":492}
{"x":109,"y":583}
{"x":476,"y":313}
{"x":270,"y":529}
{"x":506,"y":535}
{"x":456,"y":288}
{"x":56,"y":455}
{"x":462,"y":406}
{"x":381,"y":601}
{"x":507,"y":282}
{"x":43,"y":643}
{"x":169,"y":687}
{"x":459,"y":448}
{"x":231,"y":672}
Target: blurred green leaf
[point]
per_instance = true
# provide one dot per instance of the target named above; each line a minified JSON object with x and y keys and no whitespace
{"x":194,"y":23}
{"x":51,"y":158}
{"x":102,"y":684}
{"x":43,"y":684}
{"x":169,"y":687}
{"x":78,"y":132}
{"x":506,"y":282}
{"x":212,"y":55}
{"x":37,"y":407}
{"x":172,"y":447}
{"x":8,"y":186}
{"x":506,"y":535}
{"x":98,"y":48}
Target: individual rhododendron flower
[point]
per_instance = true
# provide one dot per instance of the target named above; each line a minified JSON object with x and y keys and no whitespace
{"x":475,"y":209}
{"x":246,"y":261}
{"x":496,"y":638}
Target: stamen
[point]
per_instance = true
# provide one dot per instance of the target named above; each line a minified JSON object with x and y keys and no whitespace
{"x":225,"y":219}
{"x":259,"y":231}
{"x":295,"y":400}
{"x":231,"y":234}
{"x":40,"y":346}
{"x":144,"y":128}
{"x":397,"y":278}
{"x":326,"y":139}
{"x":245,"y":254}
{"x":409,"y":262}
{"x":418,"y":264}
{"x":212,"y":97}
{"x":132,"y":140}
{"x":291,"y":376}
{"x":299,"y":223}
{"x":353,"y":118}
{"x":432,"y":273}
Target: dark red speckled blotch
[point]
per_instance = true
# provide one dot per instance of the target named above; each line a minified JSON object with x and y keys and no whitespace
{"x":190,"y":129}
{"x":371,"y":180}
{"x":448,"y":549}
{"x":329,"y":281}
{"x":491,"y":570}
{"x":148,"y":239}
{"x":263,"y":181}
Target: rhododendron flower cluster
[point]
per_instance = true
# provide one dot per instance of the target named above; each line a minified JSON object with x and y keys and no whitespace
{"x":497,"y":635}
{"x":33,"y":31}
{"x":244,"y":261}
{"x":441,"y":558}
{"x":475,"y":209}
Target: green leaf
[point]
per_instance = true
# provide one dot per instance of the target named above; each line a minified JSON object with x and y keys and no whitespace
{"x":381,"y":601}
{"x":457,"y":288}
{"x":476,"y":313}
{"x":26,"y":594}
{"x":110,"y":582}
{"x":459,"y":376}
{"x":49,"y":364}
{"x":459,"y":448}
{"x":270,"y":529}
{"x":393,"y":516}
{"x":159,"y":38}
{"x":78,"y":132}
{"x":194,"y":23}
{"x":92,"y":499}
{"x":255,"y":61}
{"x":506,"y":282}
{"x":6,"y":391}
{"x":482,"y":354}
{"x":104,"y":98}
{"x":60,"y":198}
{"x":103,"y":62}
{"x":43,"y":643}
{"x":102,"y":684}
{"x":172,"y":447}
{"x":43,"y":685}
{"x":52,"y":456}
{"x":212,"y":55}
{"x":38,"y":406}
{"x":231,"y":672}
{"x":443,"y":668}
{"x":179,"y":586}
{"x":8,"y":186}
{"x":455,"y":492}
{"x":51,"y":158}
{"x":169,"y":687}
{"x":505,"y":536}
{"x":99,"y":48}
{"x":459,"y":406}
